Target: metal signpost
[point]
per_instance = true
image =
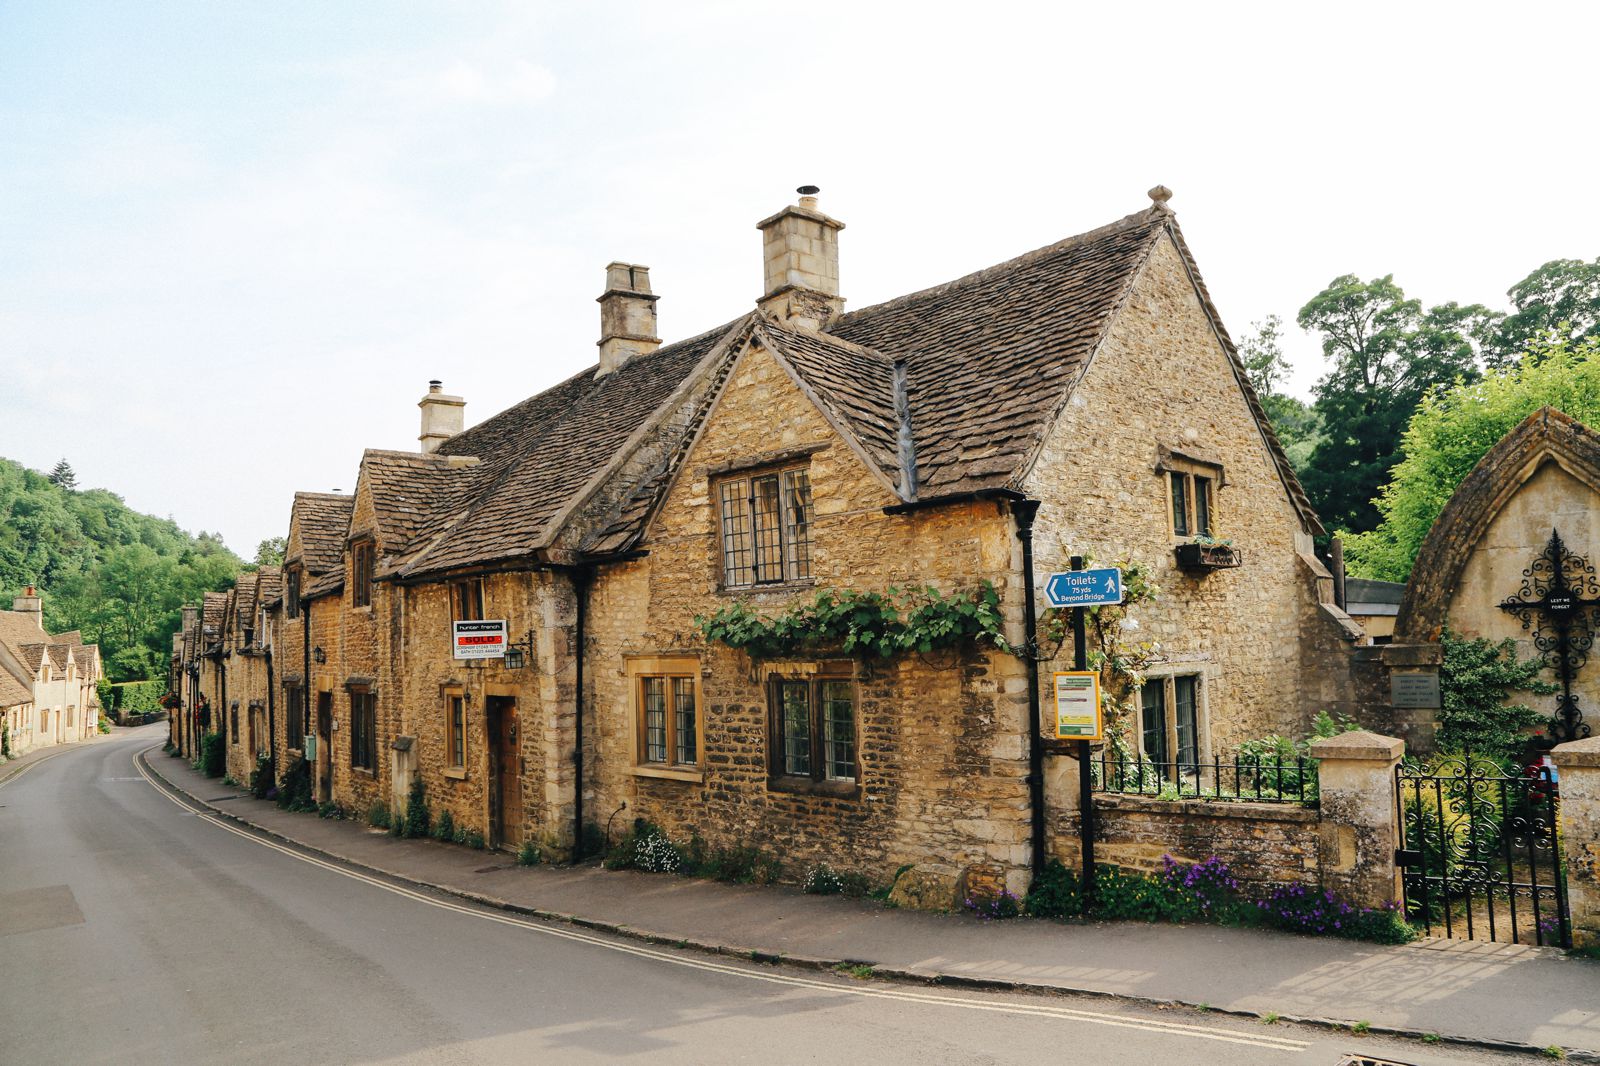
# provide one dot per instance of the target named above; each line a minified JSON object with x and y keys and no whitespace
{"x":1076,"y":589}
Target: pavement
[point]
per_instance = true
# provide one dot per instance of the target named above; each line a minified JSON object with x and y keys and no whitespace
{"x":1496,"y":995}
{"x":138,"y":926}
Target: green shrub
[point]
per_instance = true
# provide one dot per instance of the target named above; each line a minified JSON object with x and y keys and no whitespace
{"x":227,"y":779}
{"x":378,"y":815}
{"x":738,"y":865}
{"x":646,"y":848}
{"x":330,"y":810}
{"x":103,"y":724}
{"x":445,"y":829}
{"x":294,"y":793}
{"x":261,"y":778}
{"x":529,"y":854}
{"x":213,"y":755}
{"x":1056,"y":893}
{"x":417,"y":817}
{"x":474,"y":840}
{"x":1475,"y":680}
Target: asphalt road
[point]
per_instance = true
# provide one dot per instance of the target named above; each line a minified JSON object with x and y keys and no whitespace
{"x":134,"y":929}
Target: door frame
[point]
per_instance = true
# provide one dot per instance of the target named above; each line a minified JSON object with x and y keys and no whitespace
{"x":495,"y":706}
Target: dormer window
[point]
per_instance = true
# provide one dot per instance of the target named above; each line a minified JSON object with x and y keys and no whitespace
{"x":362,"y":557}
{"x":766,"y":528}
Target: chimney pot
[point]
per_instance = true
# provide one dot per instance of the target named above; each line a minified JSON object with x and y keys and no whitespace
{"x":30,"y":603}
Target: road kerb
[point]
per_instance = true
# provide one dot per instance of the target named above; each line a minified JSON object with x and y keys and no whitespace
{"x":936,"y":978}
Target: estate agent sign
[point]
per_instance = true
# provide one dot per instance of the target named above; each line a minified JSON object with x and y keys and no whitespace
{"x":479,"y":639}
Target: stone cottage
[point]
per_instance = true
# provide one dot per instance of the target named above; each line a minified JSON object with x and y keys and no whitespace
{"x":1083,"y":398}
{"x":48,"y":681}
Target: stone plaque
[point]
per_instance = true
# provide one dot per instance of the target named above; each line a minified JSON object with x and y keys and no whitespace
{"x":1414,"y":690}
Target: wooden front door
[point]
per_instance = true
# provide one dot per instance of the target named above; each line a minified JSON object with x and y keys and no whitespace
{"x":324,"y":777}
{"x":505,"y":774}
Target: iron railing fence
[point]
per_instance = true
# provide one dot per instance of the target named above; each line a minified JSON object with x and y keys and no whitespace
{"x":1260,"y":779}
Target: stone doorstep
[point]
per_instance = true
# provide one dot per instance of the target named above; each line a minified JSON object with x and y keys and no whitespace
{"x":914,"y":975}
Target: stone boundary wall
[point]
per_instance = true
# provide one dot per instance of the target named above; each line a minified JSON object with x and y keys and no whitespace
{"x":1264,"y":844}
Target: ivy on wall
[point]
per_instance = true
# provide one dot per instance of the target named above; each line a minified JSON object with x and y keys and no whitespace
{"x":880,"y":624}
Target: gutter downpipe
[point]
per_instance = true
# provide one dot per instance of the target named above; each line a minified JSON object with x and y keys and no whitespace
{"x":305,"y":675}
{"x":272,"y":723}
{"x":1023,"y":511}
{"x":580,"y":581}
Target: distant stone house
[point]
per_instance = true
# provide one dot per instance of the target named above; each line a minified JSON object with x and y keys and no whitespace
{"x":247,"y":672}
{"x":47,"y":682}
{"x":1085,"y":394}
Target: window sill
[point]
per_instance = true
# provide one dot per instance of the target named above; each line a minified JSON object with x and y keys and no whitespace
{"x":455,"y":773}
{"x":808,"y":786}
{"x":364,"y":772}
{"x":669,"y":773}
{"x":777,"y":587}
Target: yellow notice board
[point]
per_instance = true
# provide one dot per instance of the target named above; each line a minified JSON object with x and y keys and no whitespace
{"x":1078,"y":705}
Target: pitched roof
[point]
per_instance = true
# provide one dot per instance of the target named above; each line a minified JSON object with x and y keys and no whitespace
{"x":13,"y":691}
{"x":328,"y":583}
{"x":71,"y":636}
{"x":408,"y":487}
{"x":324,"y":519}
{"x":944,"y":391}
{"x":58,"y":655}
{"x":1545,"y":435}
{"x":20,"y":627}
{"x":538,"y":456}
{"x":269,"y":585}
{"x":32,"y":655}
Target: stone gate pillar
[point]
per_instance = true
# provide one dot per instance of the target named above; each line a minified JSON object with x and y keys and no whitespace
{"x":1359,"y":827}
{"x":1578,"y":763}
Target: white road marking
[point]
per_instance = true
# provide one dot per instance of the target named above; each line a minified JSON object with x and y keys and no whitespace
{"x":6,"y":780}
{"x":1263,"y":1040}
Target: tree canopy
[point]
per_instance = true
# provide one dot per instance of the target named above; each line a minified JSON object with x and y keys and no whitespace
{"x":118,"y":575}
{"x":1452,"y":430}
{"x":1387,"y":352}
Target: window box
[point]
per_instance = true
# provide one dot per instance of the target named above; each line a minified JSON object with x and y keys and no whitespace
{"x":1206,"y":557}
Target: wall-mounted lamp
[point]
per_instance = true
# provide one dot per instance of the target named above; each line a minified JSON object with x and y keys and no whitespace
{"x":517,"y":653}
{"x":319,"y":655}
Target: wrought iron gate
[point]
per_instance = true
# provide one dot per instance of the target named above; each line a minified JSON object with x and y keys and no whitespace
{"x":1478,"y":857}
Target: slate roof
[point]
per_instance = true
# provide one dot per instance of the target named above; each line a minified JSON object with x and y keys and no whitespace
{"x":944,"y":392}
{"x":71,"y":636}
{"x":269,"y":586}
{"x":20,"y":627}
{"x":406,"y":488}
{"x":58,"y":655}
{"x":242,"y":599}
{"x":328,"y":583}
{"x":32,"y":655}
{"x":539,"y":455}
{"x":12,"y":691}
{"x":324,"y":523}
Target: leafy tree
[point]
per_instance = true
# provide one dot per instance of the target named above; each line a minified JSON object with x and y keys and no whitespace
{"x":1387,"y":353}
{"x":270,"y":551}
{"x":1561,"y":297}
{"x":119,"y":576}
{"x":1298,"y":426}
{"x":1451,"y":430}
{"x":63,"y":477}
{"x":1475,"y":681}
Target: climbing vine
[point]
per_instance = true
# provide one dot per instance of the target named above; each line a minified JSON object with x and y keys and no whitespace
{"x":880,"y":624}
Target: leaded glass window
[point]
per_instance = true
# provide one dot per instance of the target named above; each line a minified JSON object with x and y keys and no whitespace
{"x":766,"y":528}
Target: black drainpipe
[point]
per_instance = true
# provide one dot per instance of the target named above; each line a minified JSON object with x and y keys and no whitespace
{"x":1023,"y":511}
{"x":580,"y":585}
{"x":272,"y":726}
{"x":305,"y":676}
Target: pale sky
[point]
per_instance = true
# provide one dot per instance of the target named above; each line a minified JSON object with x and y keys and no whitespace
{"x":237,"y":240}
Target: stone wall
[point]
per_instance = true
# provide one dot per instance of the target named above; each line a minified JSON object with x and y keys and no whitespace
{"x":1264,"y":844}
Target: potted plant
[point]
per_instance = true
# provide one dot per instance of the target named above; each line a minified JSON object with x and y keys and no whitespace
{"x":1206,"y":553}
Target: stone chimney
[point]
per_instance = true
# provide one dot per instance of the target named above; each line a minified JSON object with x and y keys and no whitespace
{"x":627,"y":316}
{"x":30,"y":602}
{"x":442,"y":417}
{"x":800,"y":255}
{"x":191,"y":611}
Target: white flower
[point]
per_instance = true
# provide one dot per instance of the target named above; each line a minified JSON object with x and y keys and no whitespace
{"x":1130,"y":623}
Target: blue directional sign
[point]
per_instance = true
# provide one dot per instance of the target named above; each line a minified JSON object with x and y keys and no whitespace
{"x":1084,"y":588}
